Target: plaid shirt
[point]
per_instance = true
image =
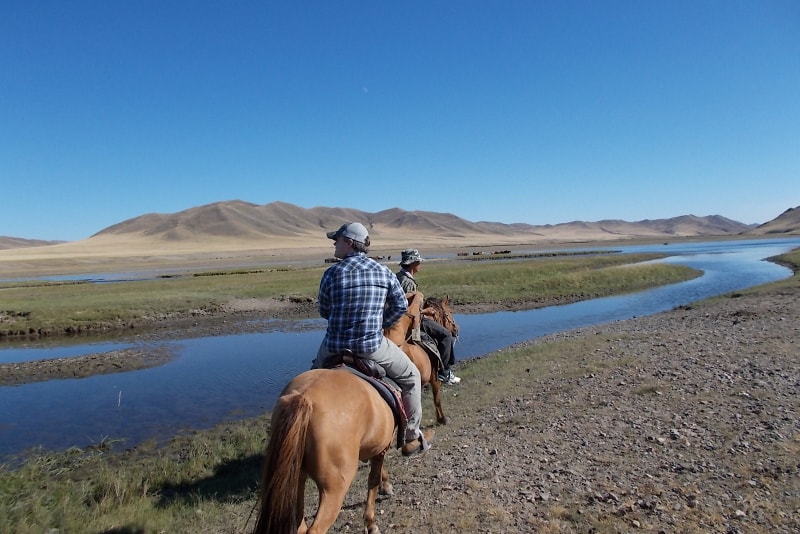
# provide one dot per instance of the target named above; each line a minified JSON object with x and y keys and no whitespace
{"x":359,"y":297}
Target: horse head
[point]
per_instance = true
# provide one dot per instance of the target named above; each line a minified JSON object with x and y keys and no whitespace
{"x":438,"y":309}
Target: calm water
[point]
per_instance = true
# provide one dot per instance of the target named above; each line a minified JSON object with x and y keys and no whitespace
{"x":230,"y":377}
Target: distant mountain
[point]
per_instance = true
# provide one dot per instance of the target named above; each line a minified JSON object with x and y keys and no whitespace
{"x":18,"y":242}
{"x":787,"y":222}
{"x":683,"y":226}
{"x":238,"y":224}
{"x":241,"y":219}
{"x":236,"y":218}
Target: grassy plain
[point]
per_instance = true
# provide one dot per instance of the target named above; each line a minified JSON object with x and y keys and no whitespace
{"x":56,"y":308}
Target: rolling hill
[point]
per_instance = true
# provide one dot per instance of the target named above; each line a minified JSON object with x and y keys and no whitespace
{"x":19,"y":242}
{"x":244,"y":220}
{"x":787,"y":222}
{"x":239,"y":225}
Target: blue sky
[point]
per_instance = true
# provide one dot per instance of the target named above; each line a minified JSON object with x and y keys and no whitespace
{"x":539,"y":112}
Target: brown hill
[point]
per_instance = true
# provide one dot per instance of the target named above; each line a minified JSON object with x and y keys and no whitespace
{"x":237,"y":225}
{"x":683,"y":226}
{"x":18,"y":242}
{"x":237,"y":233}
{"x":787,"y":222}
{"x":246,"y":221}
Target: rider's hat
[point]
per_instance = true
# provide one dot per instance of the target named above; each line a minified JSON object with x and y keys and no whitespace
{"x":409,"y":256}
{"x":354,"y":230}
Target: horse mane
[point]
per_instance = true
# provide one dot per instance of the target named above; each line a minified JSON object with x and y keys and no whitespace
{"x":440,"y":309}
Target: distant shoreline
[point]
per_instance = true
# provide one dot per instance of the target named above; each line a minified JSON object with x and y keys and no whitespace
{"x":74,"y":259}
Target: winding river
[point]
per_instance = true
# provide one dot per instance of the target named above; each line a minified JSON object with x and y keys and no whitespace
{"x":222,"y":378}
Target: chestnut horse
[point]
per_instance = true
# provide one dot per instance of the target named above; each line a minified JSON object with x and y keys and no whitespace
{"x":400,"y":333}
{"x":324,"y":422}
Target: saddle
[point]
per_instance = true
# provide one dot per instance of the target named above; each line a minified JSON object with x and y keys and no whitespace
{"x":417,"y":336}
{"x":363,"y":365}
{"x":375,"y":375}
{"x":431,"y":348}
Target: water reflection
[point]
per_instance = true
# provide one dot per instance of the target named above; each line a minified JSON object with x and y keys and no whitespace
{"x":228,"y":377}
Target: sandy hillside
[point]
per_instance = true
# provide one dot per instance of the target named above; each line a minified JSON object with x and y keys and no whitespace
{"x":240,"y":234}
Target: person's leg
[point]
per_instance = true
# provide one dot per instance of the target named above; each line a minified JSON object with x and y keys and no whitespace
{"x":400,"y":369}
{"x":444,"y":340}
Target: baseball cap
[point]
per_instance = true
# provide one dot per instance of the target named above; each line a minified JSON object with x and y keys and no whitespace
{"x":354,"y":230}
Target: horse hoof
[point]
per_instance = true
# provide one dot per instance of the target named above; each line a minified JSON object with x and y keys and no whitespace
{"x":442,"y":421}
{"x":386,"y":490}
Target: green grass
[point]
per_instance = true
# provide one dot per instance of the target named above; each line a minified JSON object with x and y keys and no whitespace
{"x":68,"y":307}
{"x":549,"y":279}
{"x":183,"y":486}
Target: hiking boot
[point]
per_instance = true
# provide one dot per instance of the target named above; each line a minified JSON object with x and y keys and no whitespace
{"x":419,"y":444}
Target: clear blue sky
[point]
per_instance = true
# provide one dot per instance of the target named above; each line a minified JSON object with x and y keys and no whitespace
{"x":530,"y":111}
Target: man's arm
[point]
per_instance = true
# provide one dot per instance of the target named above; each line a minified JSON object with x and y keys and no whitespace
{"x":396,"y":303}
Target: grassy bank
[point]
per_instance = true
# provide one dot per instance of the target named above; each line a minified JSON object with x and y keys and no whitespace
{"x":55,"y":308}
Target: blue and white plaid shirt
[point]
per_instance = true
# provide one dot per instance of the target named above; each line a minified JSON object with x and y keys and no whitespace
{"x":359,"y":297}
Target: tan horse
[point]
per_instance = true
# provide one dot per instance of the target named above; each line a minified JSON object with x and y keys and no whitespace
{"x":401,"y":331}
{"x":323,"y":424}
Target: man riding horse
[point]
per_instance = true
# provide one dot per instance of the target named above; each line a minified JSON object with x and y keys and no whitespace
{"x":360,"y":297}
{"x":410,"y":263}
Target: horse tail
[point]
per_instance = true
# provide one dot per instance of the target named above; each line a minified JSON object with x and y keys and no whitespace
{"x":279,"y":507}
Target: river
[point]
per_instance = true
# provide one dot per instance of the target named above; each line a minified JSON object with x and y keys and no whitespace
{"x":223,"y":378}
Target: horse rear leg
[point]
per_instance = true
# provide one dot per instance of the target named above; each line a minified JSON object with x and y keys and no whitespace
{"x":386,"y":486}
{"x":378,"y":478}
{"x":301,"y":505}
{"x":332,"y":485}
